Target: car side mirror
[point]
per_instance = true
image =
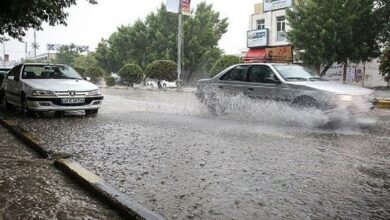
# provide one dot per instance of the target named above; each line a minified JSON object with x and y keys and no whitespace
{"x":272,"y":80}
{"x":87,"y":78}
{"x":11,"y":77}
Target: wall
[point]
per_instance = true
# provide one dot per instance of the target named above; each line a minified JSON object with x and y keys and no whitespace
{"x":372,"y":77}
{"x":366,"y":75}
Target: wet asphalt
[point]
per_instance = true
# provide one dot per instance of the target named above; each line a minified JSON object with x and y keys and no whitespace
{"x":267,"y":161}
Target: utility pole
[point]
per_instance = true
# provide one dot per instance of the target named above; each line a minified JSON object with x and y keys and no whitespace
{"x":25,"y":50}
{"x":179,"y":45}
{"x":35,"y":46}
{"x":4,"y":54}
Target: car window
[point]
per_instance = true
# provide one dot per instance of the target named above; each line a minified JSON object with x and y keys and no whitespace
{"x":49,"y":72}
{"x":261,"y":74}
{"x":236,"y":74}
{"x":297,"y":73}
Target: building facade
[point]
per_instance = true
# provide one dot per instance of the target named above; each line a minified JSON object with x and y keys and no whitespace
{"x":44,"y":58}
{"x":6,"y":63}
{"x":267,"y":34}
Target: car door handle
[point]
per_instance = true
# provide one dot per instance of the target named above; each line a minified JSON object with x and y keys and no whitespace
{"x":251,"y":89}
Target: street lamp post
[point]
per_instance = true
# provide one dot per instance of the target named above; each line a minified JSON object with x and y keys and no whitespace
{"x":4,"y":54}
{"x":179,"y":46}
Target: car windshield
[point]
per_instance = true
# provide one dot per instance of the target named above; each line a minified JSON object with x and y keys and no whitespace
{"x":50,"y":72}
{"x":297,"y":73}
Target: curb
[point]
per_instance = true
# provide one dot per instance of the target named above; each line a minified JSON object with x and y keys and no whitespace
{"x":383,"y":103}
{"x":26,"y":137}
{"x":127,"y":206}
{"x":186,"y":90}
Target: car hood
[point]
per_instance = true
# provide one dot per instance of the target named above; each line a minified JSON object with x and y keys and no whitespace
{"x":334,"y":87}
{"x":60,"y":84}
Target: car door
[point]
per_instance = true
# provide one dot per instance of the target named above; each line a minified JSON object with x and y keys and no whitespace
{"x":18,"y":88}
{"x":232,"y":82}
{"x":10,"y":89}
{"x":263,"y":83}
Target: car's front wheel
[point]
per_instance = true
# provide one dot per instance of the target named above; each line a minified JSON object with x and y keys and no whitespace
{"x":305,"y":102}
{"x":25,"y":109}
{"x":91,"y":112}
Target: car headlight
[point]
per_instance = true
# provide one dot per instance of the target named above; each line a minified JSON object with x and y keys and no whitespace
{"x":94,"y":92}
{"x":345,"y":98}
{"x":42,"y":93}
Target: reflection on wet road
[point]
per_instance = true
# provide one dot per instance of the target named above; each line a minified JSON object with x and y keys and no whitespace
{"x":165,"y":150}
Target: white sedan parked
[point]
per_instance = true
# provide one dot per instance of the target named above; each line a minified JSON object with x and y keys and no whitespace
{"x":49,"y":87}
{"x":166,"y":84}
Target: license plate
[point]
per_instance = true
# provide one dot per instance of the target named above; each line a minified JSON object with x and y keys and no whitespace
{"x":72,"y":101}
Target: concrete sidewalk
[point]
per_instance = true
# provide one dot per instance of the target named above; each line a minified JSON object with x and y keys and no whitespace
{"x":32,"y":188}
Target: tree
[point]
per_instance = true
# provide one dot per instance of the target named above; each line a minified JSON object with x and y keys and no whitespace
{"x":162,"y":32}
{"x":95,"y":73}
{"x":129,"y":44}
{"x":110,"y":81}
{"x":85,"y":61}
{"x":382,"y":14}
{"x":104,"y":58}
{"x":201,"y":35}
{"x":131,"y":74}
{"x":81,"y":71}
{"x":224,"y":62}
{"x":384,"y":67}
{"x":18,"y":16}
{"x":334,"y":31}
{"x":161,"y":70}
{"x":67,"y":55}
{"x":156,"y":39}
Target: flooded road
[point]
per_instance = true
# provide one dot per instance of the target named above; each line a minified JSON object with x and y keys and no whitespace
{"x":264,"y":162}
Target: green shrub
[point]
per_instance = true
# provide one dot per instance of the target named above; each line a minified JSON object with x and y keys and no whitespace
{"x":131,"y":73}
{"x":81,"y":71}
{"x":110,"y":81}
{"x":161,"y":70}
{"x":94,"y":73}
{"x":224,"y":62}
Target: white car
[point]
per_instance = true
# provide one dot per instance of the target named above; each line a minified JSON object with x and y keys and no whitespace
{"x":49,"y":87}
{"x":152,"y":84}
{"x":166,"y":84}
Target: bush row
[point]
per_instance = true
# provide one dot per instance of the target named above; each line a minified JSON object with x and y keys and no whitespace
{"x":93,"y":72}
{"x":158,"y":70}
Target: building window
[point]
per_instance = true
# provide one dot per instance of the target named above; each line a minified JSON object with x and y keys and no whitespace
{"x":281,"y":28}
{"x":260,"y":24}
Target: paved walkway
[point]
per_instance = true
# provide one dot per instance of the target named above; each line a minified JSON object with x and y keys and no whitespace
{"x":32,"y":188}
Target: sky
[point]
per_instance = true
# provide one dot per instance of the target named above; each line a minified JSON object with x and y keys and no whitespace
{"x":87,"y":24}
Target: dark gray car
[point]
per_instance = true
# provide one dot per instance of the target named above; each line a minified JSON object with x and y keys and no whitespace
{"x":289,"y":83}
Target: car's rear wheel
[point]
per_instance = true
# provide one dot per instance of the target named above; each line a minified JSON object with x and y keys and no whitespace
{"x":91,"y":112}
